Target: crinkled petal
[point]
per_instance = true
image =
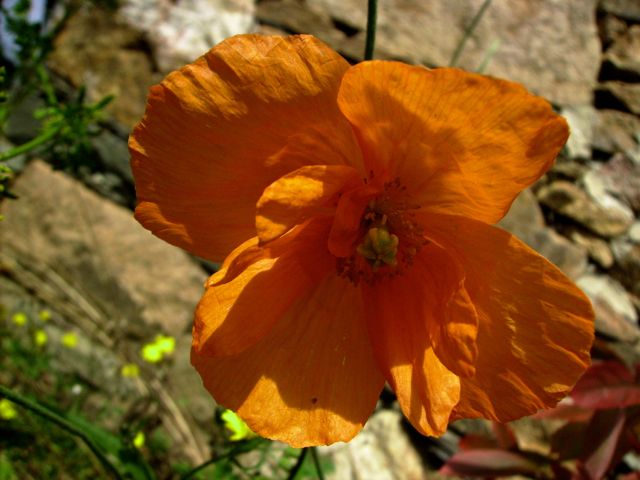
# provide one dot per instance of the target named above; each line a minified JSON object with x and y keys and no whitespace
{"x":404,"y":313}
{"x":248,"y":296}
{"x":219,"y":131}
{"x":535,"y":326}
{"x":461,"y":143}
{"x":302,"y":194}
{"x":312,"y":380}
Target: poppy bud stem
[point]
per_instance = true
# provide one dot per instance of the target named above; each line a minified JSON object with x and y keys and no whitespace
{"x":372,"y":18}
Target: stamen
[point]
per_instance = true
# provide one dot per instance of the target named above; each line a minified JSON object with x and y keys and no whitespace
{"x":379,"y":247}
{"x":391,"y":238}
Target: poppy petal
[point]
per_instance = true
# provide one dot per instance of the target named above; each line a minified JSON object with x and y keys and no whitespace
{"x":403,"y":313}
{"x":219,"y":131}
{"x":246,"y":298}
{"x":299,"y":195}
{"x":461,"y":143}
{"x":311,"y":380}
{"x":535,"y":326}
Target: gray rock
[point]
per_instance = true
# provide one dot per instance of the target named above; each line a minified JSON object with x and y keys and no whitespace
{"x":615,"y":131}
{"x":598,"y":250}
{"x":570,"y":201}
{"x":114,"y":154}
{"x":616,"y":316}
{"x":602,"y":193}
{"x":624,"y":53}
{"x":569,"y":169}
{"x":382,"y":451}
{"x":86,"y":253}
{"x":634,"y":232}
{"x":534,"y":39}
{"x":181,"y":31}
{"x":568,"y":257}
{"x":627,"y":256}
{"x":629,"y":9}
{"x":106,"y":65}
{"x":297,"y":17}
{"x":626,"y":93}
{"x":618,"y":178}
{"x":581,"y":119}
{"x":610,"y":29}
{"x":525,"y":220}
{"x":524,"y":215}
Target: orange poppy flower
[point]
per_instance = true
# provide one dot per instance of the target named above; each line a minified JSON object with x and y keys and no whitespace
{"x":352,"y":207}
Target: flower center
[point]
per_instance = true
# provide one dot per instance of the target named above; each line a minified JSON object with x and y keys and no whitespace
{"x":389,"y":239}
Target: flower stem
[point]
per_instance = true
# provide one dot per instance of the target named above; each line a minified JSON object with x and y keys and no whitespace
{"x":316,"y":463}
{"x":30,"y":145}
{"x":467,"y":33}
{"x":372,"y":18}
{"x":62,"y":423}
{"x":296,"y":468}
{"x":243,"y":447}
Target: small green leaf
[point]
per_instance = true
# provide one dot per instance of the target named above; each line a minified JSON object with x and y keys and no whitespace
{"x":239,"y":429}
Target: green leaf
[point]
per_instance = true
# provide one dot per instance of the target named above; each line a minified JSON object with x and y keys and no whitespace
{"x":6,"y":470}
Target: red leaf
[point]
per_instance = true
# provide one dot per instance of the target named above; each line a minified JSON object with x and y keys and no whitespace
{"x":504,"y":435}
{"x":474,"y":441}
{"x":601,"y":441}
{"x":566,"y":410}
{"x":488,"y":462}
{"x":606,"y":385}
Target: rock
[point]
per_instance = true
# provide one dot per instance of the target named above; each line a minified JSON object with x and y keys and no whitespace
{"x":382,"y":451}
{"x":634,"y":232}
{"x":21,"y":125}
{"x":534,"y":39}
{"x":570,"y":201}
{"x":597,"y":248}
{"x":79,"y":250}
{"x":524,"y":215}
{"x":615,"y":314}
{"x":610,"y":28}
{"x":615,"y":131}
{"x":525,"y":220}
{"x":618,"y":178}
{"x":623,"y":57}
{"x":627,"y":94}
{"x":181,"y":31}
{"x":568,"y":257}
{"x":110,"y":64}
{"x":114,"y":154}
{"x":627,"y":257}
{"x":629,"y":9}
{"x":296,"y":17}
{"x":602,"y":194}
{"x":568,"y":169}
{"x":581,"y":119}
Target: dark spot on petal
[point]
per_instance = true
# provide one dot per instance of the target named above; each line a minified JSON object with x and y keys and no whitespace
{"x":314,"y":400}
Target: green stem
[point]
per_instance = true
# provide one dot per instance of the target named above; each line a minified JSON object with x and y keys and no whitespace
{"x":62,"y":423}
{"x":467,"y":33}
{"x":316,"y":463}
{"x":372,"y":19}
{"x":246,"y":446}
{"x":296,"y":468}
{"x":30,"y":145}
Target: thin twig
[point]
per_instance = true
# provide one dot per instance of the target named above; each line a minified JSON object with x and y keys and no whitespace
{"x":296,"y":468}
{"x":372,"y":19}
{"x":467,"y":33}
{"x":62,"y":423}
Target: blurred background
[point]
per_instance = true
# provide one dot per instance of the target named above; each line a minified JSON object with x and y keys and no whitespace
{"x":95,"y":312}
